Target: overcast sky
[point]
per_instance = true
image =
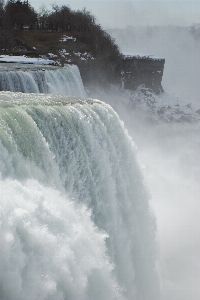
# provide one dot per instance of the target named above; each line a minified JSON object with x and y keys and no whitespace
{"x":121,"y":13}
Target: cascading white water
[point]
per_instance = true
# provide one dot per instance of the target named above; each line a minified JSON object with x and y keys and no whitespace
{"x":75,"y":219}
{"x":65,"y":81}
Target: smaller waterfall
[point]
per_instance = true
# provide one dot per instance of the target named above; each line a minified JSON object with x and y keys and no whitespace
{"x":64,"y":81}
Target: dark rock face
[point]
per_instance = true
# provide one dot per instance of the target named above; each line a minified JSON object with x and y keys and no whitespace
{"x":142,"y":70}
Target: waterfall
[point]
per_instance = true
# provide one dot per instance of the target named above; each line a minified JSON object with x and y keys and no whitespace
{"x":75,"y":217}
{"x":75,"y":220}
{"x":65,"y":81}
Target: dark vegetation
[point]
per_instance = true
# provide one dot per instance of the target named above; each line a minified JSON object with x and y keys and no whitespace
{"x":44,"y":29}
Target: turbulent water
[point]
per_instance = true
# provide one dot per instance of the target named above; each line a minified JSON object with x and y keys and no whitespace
{"x":75,"y":221}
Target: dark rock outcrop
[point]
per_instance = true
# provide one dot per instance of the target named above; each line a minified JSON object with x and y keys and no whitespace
{"x":142,"y":70}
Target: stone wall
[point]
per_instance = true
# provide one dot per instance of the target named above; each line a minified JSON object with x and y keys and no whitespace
{"x":142,"y":70}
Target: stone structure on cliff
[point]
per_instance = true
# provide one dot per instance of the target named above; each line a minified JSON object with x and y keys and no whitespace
{"x":144,"y":70}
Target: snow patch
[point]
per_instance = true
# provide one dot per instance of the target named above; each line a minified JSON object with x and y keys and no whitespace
{"x":128,"y":55}
{"x":66,"y":38}
{"x":26,"y":60}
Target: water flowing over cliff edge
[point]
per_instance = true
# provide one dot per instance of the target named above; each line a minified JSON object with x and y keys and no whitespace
{"x":75,"y":215}
{"x":41,"y":79}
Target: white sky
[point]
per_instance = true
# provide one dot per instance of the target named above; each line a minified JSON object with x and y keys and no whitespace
{"x":120,"y":13}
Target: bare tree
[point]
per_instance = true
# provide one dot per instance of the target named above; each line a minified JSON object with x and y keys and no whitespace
{"x":17,"y":14}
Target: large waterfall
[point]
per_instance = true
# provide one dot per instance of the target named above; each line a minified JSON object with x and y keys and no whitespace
{"x":75,"y":221}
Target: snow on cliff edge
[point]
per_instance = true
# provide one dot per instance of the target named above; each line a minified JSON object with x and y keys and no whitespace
{"x":26,"y":60}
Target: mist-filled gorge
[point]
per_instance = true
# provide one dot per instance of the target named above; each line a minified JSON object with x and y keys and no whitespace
{"x":170,"y":154}
{"x":178,"y":45}
{"x":171,"y":168}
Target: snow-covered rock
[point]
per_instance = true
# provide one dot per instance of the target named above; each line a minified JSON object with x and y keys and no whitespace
{"x":159,"y":108}
{"x":26,"y":60}
{"x":66,"y":38}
